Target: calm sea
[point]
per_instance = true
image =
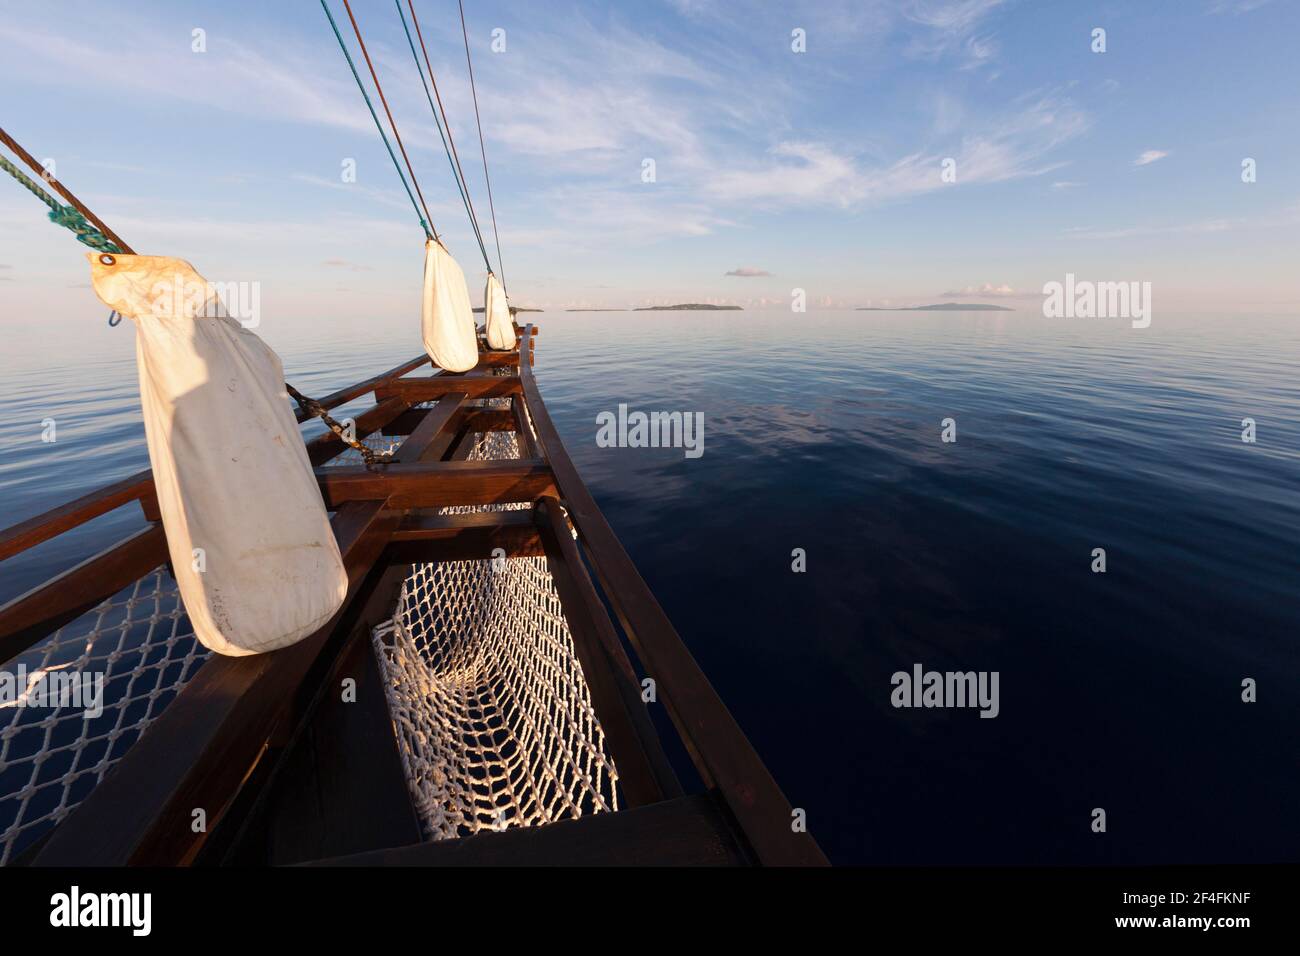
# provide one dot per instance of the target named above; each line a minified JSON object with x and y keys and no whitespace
{"x":822,"y":432}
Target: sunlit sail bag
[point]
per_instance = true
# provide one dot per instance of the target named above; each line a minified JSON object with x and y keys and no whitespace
{"x":496,"y":315}
{"x":448,"y":318}
{"x":251,"y":546}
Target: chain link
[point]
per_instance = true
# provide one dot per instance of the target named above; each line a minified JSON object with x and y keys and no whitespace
{"x":317,"y":410}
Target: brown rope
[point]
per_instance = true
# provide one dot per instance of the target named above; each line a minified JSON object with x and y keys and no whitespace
{"x":469,"y":205}
{"x":311,"y":405}
{"x":383,"y":99}
{"x":62,"y":190}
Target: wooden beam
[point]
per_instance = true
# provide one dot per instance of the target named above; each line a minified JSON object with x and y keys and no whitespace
{"x":432,"y":436}
{"x":718,"y":747}
{"x":417,"y":390}
{"x":345,"y":395}
{"x":463,"y":537}
{"x":46,"y":608}
{"x":473,"y":418}
{"x":437,"y":484}
{"x":199,"y":751}
{"x":43,"y":527}
{"x":527,"y":441}
{"x":644,"y":774}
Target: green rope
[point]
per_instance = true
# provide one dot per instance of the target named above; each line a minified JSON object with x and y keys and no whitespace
{"x":373,"y":115}
{"x":455,"y":171}
{"x":61,"y":215}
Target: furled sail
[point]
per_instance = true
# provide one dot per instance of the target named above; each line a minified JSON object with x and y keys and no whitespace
{"x":448,"y":319}
{"x":251,"y":546}
{"x":496,"y":316}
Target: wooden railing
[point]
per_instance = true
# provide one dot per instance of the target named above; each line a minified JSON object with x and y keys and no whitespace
{"x":203,"y":748}
{"x":718,"y":747}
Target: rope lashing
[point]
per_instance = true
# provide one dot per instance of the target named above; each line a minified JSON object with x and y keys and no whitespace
{"x":317,"y":410}
{"x":425,"y":224}
{"x":69,"y":217}
{"x":77,"y":218}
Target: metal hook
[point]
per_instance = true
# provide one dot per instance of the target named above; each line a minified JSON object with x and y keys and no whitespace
{"x":114,"y":319}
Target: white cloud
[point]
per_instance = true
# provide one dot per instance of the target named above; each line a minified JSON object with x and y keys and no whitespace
{"x":951,"y":30}
{"x":985,"y":291}
{"x":1235,"y":6}
{"x":748,"y":272}
{"x":1149,"y":157}
{"x":814,"y":173}
{"x":1191,"y":228}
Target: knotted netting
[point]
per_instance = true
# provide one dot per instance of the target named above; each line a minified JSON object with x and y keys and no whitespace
{"x":490,"y":708}
{"x":492,"y":713}
{"x":131,"y":655}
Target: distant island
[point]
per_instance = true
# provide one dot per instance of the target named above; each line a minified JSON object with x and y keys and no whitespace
{"x":943,"y":307}
{"x":689,"y":307}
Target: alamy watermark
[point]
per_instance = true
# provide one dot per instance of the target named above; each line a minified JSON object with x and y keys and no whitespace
{"x":133,"y":911}
{"x":241,"y":301}
{"x":922,"y":688}
{"x":52,"y":688}
{"x":1084,"y":299}
{"x":651,"y":430}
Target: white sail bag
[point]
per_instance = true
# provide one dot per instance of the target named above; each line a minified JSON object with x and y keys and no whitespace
{"x":447,"y":317}
{"x":251,"y":546}
{"x":496,"y":316}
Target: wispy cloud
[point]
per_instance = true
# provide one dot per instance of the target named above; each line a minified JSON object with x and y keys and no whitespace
{"x":952,"y":29}
{"x":805,"y":172}
{"x":1235,"y":6}
{"x":1149,"y":156}
{"x":985,"y":291}
{"x":1066,"y":184}
{"x":1200,"y":227}
{"x":748,"y":272}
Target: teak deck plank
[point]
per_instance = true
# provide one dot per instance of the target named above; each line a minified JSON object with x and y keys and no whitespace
{"x":686,"y":831}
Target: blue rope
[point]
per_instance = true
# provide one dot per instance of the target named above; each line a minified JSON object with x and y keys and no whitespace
{"x":455,"y":173}
{"x":61,"y":215}
{"x":356,"y":76}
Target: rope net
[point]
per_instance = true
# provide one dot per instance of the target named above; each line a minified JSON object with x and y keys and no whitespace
{"x":490,"y":708}
{"x":53,"y":753}
{"x":492,"y":713}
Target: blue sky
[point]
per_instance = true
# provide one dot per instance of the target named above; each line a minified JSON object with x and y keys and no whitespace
{"x":822,"y":169}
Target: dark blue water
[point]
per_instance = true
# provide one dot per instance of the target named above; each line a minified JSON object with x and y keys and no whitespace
{"x":822,"y":432}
